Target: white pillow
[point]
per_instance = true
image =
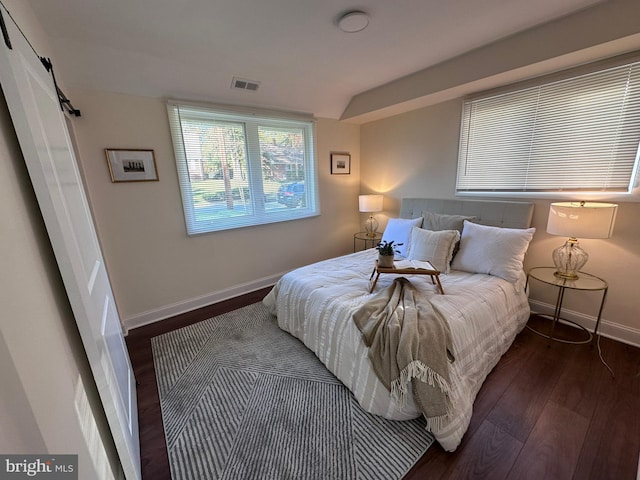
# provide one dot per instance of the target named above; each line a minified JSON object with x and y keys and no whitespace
{"x":492,"y":250}
{"x":399,"y":230}
{"x":436,"y":247}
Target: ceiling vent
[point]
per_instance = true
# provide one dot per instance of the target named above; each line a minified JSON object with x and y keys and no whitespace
{"x":244,"y":84}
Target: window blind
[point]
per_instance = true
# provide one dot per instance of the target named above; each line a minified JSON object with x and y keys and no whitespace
{"x":239,"y":168}
{"x":578,"y":134}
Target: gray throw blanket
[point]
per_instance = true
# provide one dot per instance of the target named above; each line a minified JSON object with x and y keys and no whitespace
{"x":408,"y":340}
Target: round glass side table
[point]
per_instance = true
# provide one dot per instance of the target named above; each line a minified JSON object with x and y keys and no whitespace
{"x":370,"y":241}
{"x":585,"y":281}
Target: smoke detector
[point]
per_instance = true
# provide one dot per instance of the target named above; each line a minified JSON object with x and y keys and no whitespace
{"x":244,"y":84}
{"x":353,"y":21}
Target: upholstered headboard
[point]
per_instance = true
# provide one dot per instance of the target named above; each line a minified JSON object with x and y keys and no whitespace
{"x":498,"y":214}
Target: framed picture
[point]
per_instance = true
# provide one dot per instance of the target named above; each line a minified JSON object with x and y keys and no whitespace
{"x":340,"y":163}
{"x":135,"y":165}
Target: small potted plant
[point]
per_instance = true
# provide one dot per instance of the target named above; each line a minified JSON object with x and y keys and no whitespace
{"x":386,"y":253}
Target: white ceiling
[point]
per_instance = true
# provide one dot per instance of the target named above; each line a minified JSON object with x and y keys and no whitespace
{"x":191,"y":49}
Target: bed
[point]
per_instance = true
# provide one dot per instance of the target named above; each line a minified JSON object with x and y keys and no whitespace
{"x":485,"y":305}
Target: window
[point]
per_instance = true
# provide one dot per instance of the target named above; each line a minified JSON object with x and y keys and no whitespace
{"x":240,"y":168}
{"x":578,"y":134}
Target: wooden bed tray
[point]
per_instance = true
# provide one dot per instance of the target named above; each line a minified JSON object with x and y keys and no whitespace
{"x":432,"y":272}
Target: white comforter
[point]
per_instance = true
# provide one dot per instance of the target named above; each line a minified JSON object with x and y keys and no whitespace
{"x":316,"y":303}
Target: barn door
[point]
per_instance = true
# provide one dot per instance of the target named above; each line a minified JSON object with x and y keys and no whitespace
{"x":48,"y":153}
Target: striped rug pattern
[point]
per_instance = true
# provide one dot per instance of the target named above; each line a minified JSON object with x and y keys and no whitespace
{"x":242,"y":399}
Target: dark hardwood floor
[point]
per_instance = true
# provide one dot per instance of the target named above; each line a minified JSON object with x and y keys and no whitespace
{"x":548,"y":410}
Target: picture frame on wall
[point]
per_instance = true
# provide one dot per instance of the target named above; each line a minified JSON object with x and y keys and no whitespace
{"x":131,"y":165}
{"x":340,"y":163}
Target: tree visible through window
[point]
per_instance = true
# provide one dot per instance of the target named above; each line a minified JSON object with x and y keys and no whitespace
{"x":241,"y":169}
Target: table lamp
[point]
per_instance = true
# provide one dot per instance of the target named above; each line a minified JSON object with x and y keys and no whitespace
{"x":370,"y":204}
{"x":578,"y":219}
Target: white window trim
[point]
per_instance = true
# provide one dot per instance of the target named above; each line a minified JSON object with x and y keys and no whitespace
{"x":632,"y":195}
{"x":307,"y":122}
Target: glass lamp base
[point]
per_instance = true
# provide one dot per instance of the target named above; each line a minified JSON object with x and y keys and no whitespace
{"x":569,"y":259}
{"x":371,"y":226}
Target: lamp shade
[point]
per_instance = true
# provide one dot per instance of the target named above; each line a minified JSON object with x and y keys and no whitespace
{"x":370,"y":203}
{"x":582,"y":219}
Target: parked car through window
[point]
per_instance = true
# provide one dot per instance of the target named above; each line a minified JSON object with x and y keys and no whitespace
{"x":292,"y":195}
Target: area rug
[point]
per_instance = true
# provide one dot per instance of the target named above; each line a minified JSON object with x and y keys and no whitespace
{"x":242,"y":399}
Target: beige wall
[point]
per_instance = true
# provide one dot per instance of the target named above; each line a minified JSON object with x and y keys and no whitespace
{"x":600,"y":31}
{"x":415,"y":154}
{"x":48,"y":399}
{"x":155,"y":268}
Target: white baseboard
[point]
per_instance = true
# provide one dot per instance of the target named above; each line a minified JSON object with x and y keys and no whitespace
{"x":607,"y":329}
{"x":168,"y":311}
